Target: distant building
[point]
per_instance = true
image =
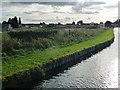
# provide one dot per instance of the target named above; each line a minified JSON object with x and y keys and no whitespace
{"x":92,"y":24}
{"x":32,"y":25}
{"x":102,"y":25}
{"x":6,"y":26}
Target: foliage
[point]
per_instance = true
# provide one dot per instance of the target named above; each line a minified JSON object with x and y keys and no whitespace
{"x":108,"y":24}
{"x":9,"y":44}
{"x":21,"y":63}
{"x":14,"y":42}
{"x":14,"y":22}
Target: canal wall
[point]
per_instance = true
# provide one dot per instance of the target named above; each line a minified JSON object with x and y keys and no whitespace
{"x":29,"y":77}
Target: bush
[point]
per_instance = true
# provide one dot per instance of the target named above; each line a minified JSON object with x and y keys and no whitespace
{"x":16,"y":42}
{"x":9,"y":44}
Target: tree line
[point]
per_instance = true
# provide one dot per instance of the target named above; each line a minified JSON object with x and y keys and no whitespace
{"x":14,"y":22}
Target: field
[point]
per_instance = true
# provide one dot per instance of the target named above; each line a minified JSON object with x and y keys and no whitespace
{"x":57,"y":43}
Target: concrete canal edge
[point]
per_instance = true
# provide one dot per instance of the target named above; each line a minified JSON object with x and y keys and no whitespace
{"x":29,"y":77}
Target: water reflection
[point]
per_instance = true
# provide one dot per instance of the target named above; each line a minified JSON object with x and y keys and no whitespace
{"x":99,"y":71}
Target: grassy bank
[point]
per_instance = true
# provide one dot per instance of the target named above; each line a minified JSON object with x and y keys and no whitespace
{"x":18,"y":64}
{"x":22,"y":42}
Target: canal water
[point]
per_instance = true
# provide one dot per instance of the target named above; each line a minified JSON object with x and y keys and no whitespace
{"x":98,"y":71}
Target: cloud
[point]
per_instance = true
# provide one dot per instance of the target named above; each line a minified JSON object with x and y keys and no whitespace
{"x":5,"y":1}
{"x":55,"y":11}
{"x":87,"y":12}
{"x":90,"y":12}
{"x":75,"y":6}
{"x":35,"y":12}
{"x":28,"y":12}
{"x":40,"y":0}
{"x":78,"y":8}
{"x":58,"y":12}
{"x":93,"y":3}
{"x":58,"y":3}
{"x":111,"y":6}
{"x":67,"y":18}
{"x":47,"y":2}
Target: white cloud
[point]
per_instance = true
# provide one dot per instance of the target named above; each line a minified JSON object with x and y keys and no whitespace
{"x":111,"y":6}
{"x":55,"y":12}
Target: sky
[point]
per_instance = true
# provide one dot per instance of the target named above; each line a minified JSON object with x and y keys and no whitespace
{"x":64,"y":11}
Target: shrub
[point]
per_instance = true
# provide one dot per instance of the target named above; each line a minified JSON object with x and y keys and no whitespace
{"x":15,"y":42}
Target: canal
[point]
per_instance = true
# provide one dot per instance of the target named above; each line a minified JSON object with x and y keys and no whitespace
{"x":98,"y":71}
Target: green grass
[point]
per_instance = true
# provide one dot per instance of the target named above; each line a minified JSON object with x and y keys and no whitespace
{"x":17,"y":64}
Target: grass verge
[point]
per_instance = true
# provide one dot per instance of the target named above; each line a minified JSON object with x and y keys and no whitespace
{"x":22,"y":63}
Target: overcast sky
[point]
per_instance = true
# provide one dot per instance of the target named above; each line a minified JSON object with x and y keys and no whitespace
{"x":64,"y":11}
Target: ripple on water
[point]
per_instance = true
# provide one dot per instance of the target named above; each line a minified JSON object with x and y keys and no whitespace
{"x":98,"y":71}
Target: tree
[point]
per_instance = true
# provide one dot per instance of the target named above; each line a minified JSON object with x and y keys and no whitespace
{"x":14,"y":22}
{"x":117,"y":23}
{"x":5,"y":25}
{"x":59,"y":23}
{"x":108,"y":24}
{"x":19,"y":20}
{"x":4,"y":22}
{"x":73,"y":23}
{"x":43,"y":23}
{"x":101,"y":23}
{"x":9,"y":20}
{"x":80,"y":22}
